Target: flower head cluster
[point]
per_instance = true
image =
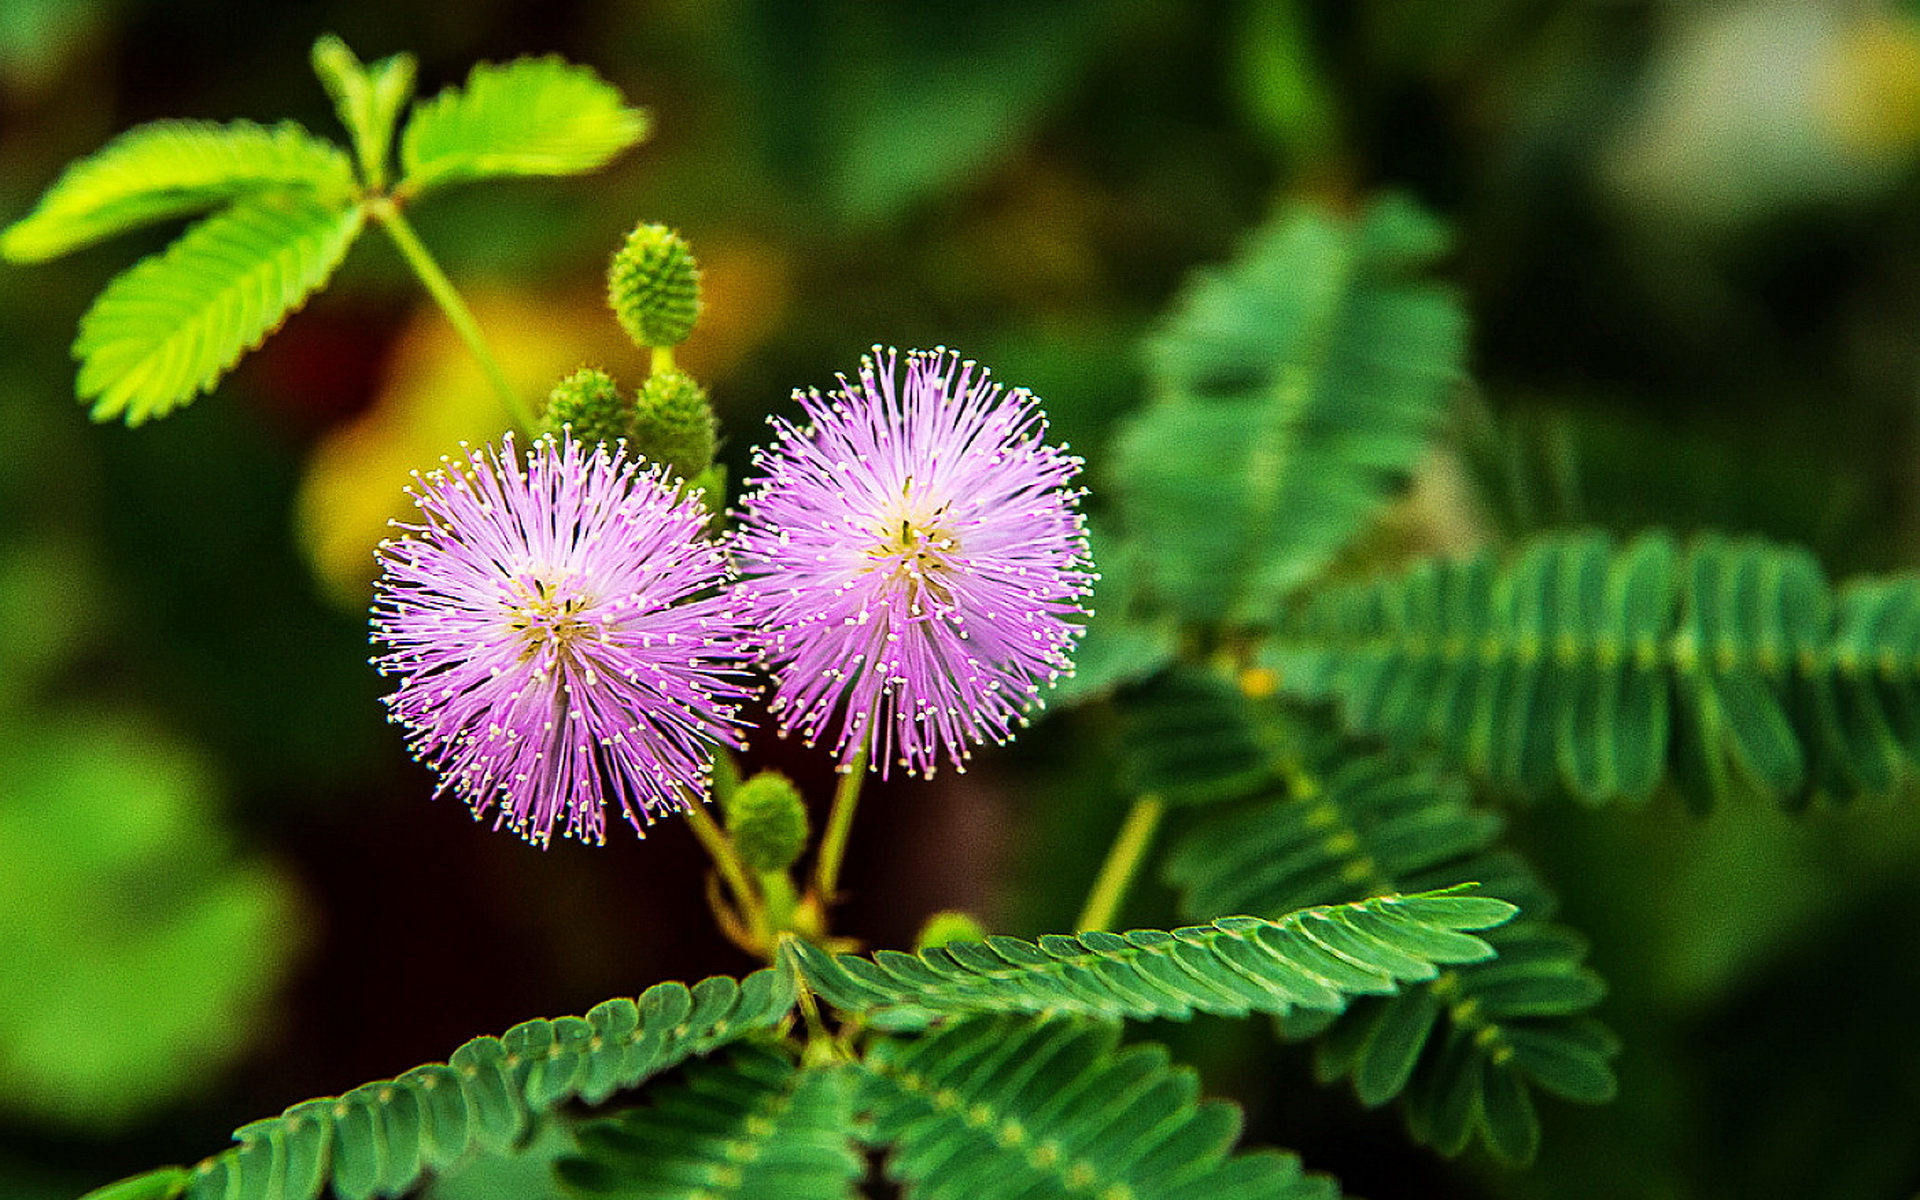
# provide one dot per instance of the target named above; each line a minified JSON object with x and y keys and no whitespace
{"x":913,"y":561}
{"x":563,"y":638}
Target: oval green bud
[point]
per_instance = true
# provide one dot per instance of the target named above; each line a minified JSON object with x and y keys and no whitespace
{"x":767,"y":821}
{"x":949,"y":926}
{"x":673,"y":423}
{"x":653,"y":285}
{"x":590,"y":402}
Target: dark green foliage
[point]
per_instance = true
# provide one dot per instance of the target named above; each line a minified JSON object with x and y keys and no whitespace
{"x":1602,"y":671}
{"x":1187,"y":738}
{"x":1293,"y":391}
{"x":1119,"y":646}
{"x":750,"y":1125}
{"x":1466,"y":1047}
{"x":1050,"y":1106}
{"x":1316,"y":958}
{"x":378,"y":1139}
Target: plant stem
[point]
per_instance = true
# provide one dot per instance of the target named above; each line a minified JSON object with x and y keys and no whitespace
{"x":441,"y":289}
{"x":720,"y":848}
{"x":1123,"y":861}
{"x":833,"y":844}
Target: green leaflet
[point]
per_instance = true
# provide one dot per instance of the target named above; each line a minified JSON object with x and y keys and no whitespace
{"x":751,"y":1125}
{"x":532,"y":116}
{"x":379,"y":1138}
{"x":166,"y":329}
{"x":171,"y":169}
{"x":1604,"y":671}
{"x":1013,"y":1106}
{"x":1464,"y":1049}
{"x":368,"y":100}
{"x":1294,"y":390}
{"x":1316,"y":958}
{"x":1189,"y":737}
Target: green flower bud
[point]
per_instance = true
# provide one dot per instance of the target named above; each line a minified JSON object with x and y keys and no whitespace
{"x":653,"y":285}
{"x":949,"y":926}
{"x":674,"y":424}
{"x":590,"y":402}
{"x":767,"y":821}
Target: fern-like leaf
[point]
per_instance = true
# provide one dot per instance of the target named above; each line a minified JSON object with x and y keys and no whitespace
{"x":171,"y":169}
{"x":1296,"y":389}
{"x":379,"y":1138}
{"x":1316,"y":958}
{"x":169,"y":327}
{"x":1466,"y":1048}
{"x":1603,"y":671}
{"x":1189,"y":737}
{"x":1009,"y":1106}
{"x":368,"y":99}
{"x":749,"y":1125}
{"x":532,"y":116}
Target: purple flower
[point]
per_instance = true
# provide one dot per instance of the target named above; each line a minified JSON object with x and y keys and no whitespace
{"x":563,"y":638}
{"x":914,"y":561}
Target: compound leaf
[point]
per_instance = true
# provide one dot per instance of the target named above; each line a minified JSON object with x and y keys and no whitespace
{"x":379,"y":1139}
{"x":166,"y":329}
{"x":1295,"y":390}
{"x":1606,"y":671}
{"x":368,"y":99}
{"x":172,"y":169}
{"x":532,"y":116}
{"x":751,"y":1124}
{"x":1316,"y":958}
{"x":1465,"y":1048}
{"x":1019,"y":1106}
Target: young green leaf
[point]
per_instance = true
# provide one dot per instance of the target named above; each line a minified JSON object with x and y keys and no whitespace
{"x":532,"y":116}
{"x":749,"y":1125}
{"x":170,"y":326}
{"x":172,"y":169}
{"x":368,"y":100}
{"x":1019,"y":1106}
{"x":1316,"y":958}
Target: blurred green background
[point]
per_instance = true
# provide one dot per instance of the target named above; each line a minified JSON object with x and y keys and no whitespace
{"x":1689,"y":238}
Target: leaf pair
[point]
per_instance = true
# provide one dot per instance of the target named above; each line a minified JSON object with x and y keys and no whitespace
{"x":1608,"y":671}
{"x":986,"y":1108}
{"x":286,"y":206}
{"x":762,"y":1124}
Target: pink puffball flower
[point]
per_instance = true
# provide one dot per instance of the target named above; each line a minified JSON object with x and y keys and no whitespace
{"x":914,"y":560}
{"x":563,"y":635}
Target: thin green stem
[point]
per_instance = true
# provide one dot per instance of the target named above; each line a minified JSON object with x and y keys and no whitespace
{"x":719,"y":847}
{"x":833,"y":844}
{"x":442,"y":290}
{"x":1123,"y":862}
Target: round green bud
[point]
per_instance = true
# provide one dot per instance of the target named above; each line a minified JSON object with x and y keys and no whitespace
{"x":653,"y":285}
{"x":673,"y":423}
{"x":767,"y":821}
{"x":949,"y":926}
{"x":590,"y":402}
